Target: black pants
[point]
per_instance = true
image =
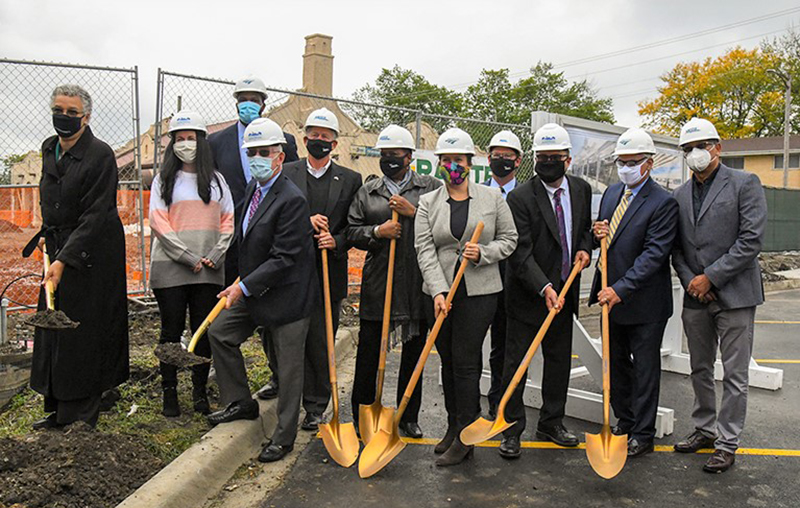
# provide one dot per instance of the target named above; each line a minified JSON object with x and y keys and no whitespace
{"x":172,"y":304}
{"x":557,"y":351}
{"x":497,"y":355}
{"x":369,"y":349}
{"x":636,"y":376}
{"x":86,"y":409}
{"x":460,"y":344}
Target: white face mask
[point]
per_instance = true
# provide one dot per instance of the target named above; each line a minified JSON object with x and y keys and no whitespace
{"x":698,"y":160}
{"x":630,"y":176}
{"x":186,"y":151}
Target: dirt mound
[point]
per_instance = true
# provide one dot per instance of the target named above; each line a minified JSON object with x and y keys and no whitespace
{"x":76,"y":468}
{"x":772,"y":262}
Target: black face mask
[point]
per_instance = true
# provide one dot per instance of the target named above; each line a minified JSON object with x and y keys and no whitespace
{"x":391,"y":165}
{"x":501,"y":167}
{"x":67,"y":126}
{"x":550,"y":171}
{"x":319,"y":148}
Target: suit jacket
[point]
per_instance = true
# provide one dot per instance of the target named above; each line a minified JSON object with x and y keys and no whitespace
{"x":439,"y":252}
{"x":725,"y":241}
{"x":344,"y":185}
{"x":537,"y":259}
{"x":488,"y":183}
{"x":276,"y":256}
{"x":228,"y":161}
{"x":638,"y":257}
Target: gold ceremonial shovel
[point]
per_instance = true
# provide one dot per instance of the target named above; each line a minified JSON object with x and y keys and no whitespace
{"x":50,"y":318}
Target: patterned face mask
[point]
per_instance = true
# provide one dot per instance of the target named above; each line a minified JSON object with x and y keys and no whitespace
{"x":452,"y":173}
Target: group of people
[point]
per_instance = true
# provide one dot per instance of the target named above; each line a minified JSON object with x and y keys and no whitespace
{"x":236,"y":215}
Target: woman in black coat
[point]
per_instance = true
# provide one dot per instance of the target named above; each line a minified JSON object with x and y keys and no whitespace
{"x":86,"y":243}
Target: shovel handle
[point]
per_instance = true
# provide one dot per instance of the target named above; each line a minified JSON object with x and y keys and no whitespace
{"x":522,"y":370}
{"x":426,"y":351}
{"x":326,"y":286}
{"x":387,"y":311}
{"x":604,"y":329}
{"x":208,"y":320}
{"x":49,"y":296}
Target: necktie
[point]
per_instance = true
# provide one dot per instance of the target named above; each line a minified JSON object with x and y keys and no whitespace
{"x":562,"y":235}
{"x":618,"y":213}
{"x":254,"y":205}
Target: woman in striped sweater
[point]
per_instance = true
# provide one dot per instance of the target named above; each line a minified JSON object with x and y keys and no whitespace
{"x":191,"y":217}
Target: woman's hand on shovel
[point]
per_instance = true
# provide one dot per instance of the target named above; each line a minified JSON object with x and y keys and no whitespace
{"x":54,"y":274}
{"x":440,"y":305}
{"x":233,"y":293}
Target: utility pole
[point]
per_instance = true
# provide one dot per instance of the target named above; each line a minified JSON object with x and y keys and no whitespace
{"x":786,"y":77}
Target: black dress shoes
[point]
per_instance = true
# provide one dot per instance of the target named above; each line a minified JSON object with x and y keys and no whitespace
{"x":274,"y":452}
{"x":48,"y":422}
{"x":619,"y":431}
{"x":456,"y":454}
{"x":694,"y":442}
{"x":268,"y":391}
{"x":311,"y":422}
{"x":558,"y":434}
{"x":411,"y":429}
{"x":638,"y":448}
{"x":509,"y":447}
{"x":720,"y":462}
{"x":239,"y":410}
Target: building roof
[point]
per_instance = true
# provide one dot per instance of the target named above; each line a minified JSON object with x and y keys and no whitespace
{"x":759,"y":146}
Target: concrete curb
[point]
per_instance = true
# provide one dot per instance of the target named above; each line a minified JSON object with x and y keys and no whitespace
{"x":202,"y":470}
{"x":781,"y":285}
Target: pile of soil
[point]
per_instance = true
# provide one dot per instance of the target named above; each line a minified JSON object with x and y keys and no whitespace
{"x":772,"y":262}
{"x":349,"y":313}
{"x":76,"y":468}
{"x":51,"y":320}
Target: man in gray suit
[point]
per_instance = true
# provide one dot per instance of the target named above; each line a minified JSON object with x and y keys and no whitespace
{"x":721,"y":223}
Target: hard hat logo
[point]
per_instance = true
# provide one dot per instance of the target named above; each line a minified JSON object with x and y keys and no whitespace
{"x":451,"y":141}
{"x":252,"y":134}
{"x":624,"y":142}
{"x":692,"y":129}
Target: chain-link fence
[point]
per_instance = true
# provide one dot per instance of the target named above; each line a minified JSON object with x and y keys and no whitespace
{"x":25,"y":122}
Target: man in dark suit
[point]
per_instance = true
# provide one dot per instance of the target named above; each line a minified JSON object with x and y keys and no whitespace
{"x":505,"y":156}
{"x":639,"y":219}
{"x":723,"y":214}
{"x":329,"y":189}
{"x":277,"y":290}
{"x":552,"y":213}
{"x":230,"y":158}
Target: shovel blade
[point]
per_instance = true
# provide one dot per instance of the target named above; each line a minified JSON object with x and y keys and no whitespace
{"x":372,"y":418}
{"x":482,"y":430}
{"x":341,"y":441}
{"x":384,"y":447}
{"x":49,"y":319}
{"x":173,"y":354}
{"x":606,"y":452}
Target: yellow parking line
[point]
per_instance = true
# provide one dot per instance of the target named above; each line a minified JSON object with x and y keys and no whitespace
{"x":773,"y":322}
{"x":777,"y":361}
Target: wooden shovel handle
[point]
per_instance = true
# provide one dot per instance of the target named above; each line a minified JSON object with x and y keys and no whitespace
{"x":387,"y":311}
{"x":604,"y":330}
{"x":326,"y":287}
{"x":49,"y":297}
{"x":208,"y":320}
{"x":423,"y":357}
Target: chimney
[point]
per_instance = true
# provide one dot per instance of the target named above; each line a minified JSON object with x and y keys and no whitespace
{"x":318,"y":65}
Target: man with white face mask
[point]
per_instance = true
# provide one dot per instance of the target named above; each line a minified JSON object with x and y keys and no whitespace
{"x":723,"y":213}
{"x":639,"y":219}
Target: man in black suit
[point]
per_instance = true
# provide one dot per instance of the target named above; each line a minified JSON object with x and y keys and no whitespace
{"x":639,"y":219}
{"x":505,"y":156}
{"x":278,"y":290}
{"x":329,"y":189}
{"x":552,"y":213}
{"x":230,"y":158}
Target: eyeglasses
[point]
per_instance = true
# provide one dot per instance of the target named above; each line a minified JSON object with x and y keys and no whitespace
{"x":263,"y":152}
{"x":551,"y":158}
{"x":631,"y":164}
{"x":705,"y":145}
{"x":70,"y":112}
{"x":506,"y":156}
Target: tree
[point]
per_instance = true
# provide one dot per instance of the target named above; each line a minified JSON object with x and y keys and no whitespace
{"x":734,"y":91}
{"x":786,"y":50}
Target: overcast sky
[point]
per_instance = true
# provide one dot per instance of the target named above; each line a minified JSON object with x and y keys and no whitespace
{"x":449,"y":42}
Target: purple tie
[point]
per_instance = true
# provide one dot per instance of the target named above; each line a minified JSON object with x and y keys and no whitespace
{"x":562,"y":235}
{"x":254,"y":205}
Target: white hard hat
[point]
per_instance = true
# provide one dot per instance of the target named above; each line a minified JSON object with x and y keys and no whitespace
{"x":551,"y":136}
{"x":187,"y":121}
{"x":697,"y":129}
{"x":507,"y":139}
{"x":323,"y":117}
{"x":454,"y":140}
{"x":250,"y":84}
{"x":395,"y":136}
{"x":634,"y":141}
{"x":263,"y":132}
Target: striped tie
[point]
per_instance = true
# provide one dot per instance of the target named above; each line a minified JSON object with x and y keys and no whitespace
{"x":618,"y":213}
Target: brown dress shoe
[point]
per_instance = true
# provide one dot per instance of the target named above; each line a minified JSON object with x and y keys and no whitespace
{"x":694,"y":442}
{"x":720,"y":462}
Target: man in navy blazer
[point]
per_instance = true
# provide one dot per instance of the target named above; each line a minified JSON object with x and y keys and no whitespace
{"x":277,"y":291}
{"x":639,"y":219}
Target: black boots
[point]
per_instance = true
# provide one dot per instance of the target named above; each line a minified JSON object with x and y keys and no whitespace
{"x":169,"y":385}
{"x":443,"y":445}
{"x":199,"y":391}
{"x":456,"y":454}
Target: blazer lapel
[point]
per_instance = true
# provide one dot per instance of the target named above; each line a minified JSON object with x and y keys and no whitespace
{"x":299,"y":176}
{"x":543,"y":200}
{"x":266,"y":201}
{"x":576,"y":203}
{"x":473,"y":214}
{"x":636,"y":203}
{"x":717,"y":185}
{"x":337,"y":178}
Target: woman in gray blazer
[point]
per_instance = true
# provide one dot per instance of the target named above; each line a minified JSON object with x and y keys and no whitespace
{"x":445,"y":221}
